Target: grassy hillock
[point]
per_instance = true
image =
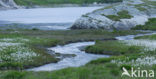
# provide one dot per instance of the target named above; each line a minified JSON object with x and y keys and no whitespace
{"x":112,"y":48}
{"x":49,"y":2}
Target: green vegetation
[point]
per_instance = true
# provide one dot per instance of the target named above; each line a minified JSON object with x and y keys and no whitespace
{"x":103,"y":68}
{"x":150,"y":25}
{"x":112,"y":48}
{"x":124,"y":14}
{"x":113,"y":17}
{"x":64,"y":37}
{"x":18,"y":51}
{"x":120,"y":15}
{"x":15,"y":45}
{"x":50,"y":2}
{"x":39,"y":40}
{"x":90,"y":71}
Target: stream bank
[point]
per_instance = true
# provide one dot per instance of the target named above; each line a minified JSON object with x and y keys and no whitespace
{"x":81,"y":57}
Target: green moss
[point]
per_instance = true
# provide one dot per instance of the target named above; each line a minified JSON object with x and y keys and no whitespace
{"x":120,"y":15}
{"x":113,"y":17}
{"x":124,"y":14}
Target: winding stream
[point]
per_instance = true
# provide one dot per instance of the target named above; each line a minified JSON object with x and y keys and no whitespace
{"x":81,"y":57}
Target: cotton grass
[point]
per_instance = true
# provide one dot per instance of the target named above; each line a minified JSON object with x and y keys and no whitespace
{"x":14,"y":49}
{"x":148,"y":45}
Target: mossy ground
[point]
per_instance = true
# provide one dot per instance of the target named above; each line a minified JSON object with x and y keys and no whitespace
{"x":120,"y":15}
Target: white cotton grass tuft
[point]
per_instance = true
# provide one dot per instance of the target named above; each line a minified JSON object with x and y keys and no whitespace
{"x":143,"y":61}
{"x":149,"y":45}
{"x":14,"y":40}
{"x":15,"y":50}
{"x":3,"y":44}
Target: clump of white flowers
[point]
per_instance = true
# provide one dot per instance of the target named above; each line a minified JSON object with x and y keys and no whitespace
{"x":149,"y":45}
{"x":142,"y":61}
{"x":15,"y":50}
{"x":14,"y":40}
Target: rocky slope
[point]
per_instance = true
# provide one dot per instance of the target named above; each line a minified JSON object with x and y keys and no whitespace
{"x":120,"y":16}
{"x":7,"y":4}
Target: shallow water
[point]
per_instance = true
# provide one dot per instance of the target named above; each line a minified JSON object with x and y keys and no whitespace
{"x":45,"y":16}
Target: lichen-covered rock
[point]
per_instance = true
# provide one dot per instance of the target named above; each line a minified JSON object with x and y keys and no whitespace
{"x":120,"y":16}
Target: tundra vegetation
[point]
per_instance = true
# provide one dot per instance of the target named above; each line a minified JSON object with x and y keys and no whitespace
{"x":22,"y":49}
{"x":50,"y":2}
{"x":120,"y":15}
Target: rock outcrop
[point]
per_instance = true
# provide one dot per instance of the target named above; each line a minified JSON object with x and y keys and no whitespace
{"x":120,"y":16}
{"x":8,"y":4}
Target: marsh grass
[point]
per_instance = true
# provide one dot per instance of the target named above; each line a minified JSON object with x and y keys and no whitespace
{"x":112,"y":48}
